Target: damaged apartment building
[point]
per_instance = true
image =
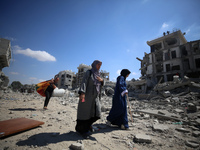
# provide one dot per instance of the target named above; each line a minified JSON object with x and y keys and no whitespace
{"x":66,"y":79}
{"x":70,"y":80}
{"x":82,"y":68}
{"x":170,"y":55}
{"x":5,"y":56}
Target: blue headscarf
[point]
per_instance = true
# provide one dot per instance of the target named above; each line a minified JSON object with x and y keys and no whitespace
{"x":96,"y":73}
{"x":125,"y":72}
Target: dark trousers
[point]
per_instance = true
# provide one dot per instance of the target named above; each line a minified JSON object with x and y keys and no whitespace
{"x":48,"y":94}
{"x":83,"y":126}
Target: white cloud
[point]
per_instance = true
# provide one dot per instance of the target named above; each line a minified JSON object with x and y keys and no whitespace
{"x":188,"y":30}
{"x":118,"y":72}
{"x":164,"y":26}
{"x":135,"y":73}
{"x":193,"y":32}
{"x":39,"y":55}
{"x":14,"y":73}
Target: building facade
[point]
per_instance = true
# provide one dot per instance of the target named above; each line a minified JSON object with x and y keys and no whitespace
{"x":66,"y":79}
{"x":5,"y":56}
{"x":82,"y":68}
{"x":5,"y":53}
{"x":171,"y":55}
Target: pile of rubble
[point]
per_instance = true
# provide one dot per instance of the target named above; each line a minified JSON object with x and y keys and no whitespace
{"x":164,"y":122}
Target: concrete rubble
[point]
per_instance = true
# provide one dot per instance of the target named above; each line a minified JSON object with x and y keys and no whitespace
{"x":160,"y":122}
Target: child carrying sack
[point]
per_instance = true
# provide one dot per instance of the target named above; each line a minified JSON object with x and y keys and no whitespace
{"x":41,"y":87}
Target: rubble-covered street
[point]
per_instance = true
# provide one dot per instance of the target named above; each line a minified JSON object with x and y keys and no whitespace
{"x":167,"y":123}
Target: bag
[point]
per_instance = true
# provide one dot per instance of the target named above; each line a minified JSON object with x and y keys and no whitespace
{"x":41,"y":87}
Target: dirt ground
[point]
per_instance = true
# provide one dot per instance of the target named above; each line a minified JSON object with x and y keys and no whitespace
{"x":58,"y":131}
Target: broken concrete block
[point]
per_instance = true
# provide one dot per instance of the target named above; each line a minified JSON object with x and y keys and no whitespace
{"x":196,"y":133}
{"x":183,"y":130}
{"x":142,"y":138}
{"x":176,"y":99}
{"x":160,"y":127}
{"x":192,"y":144}
{"x":191,"y":108}
{"x":77,"y":146}
{"x":178,"y":110}
{"x":197,"y":121}
{"x":166,"y":94}
{"x":136,"y":115}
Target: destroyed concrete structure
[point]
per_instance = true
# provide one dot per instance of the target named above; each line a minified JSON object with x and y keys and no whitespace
{"x":82,"y":68}
{"x":67,"y":78}
{"x":5,"y":56}
{"x":170,"y":55}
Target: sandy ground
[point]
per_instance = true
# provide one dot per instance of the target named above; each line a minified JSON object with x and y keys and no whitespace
{"x":58,"y":132}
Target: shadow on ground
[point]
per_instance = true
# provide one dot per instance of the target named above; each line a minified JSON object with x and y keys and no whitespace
{"x":43,"y":139}
{"x":23,"y":109}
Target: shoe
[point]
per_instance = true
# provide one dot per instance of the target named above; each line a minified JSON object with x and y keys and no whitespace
{"x":124,"y":128}
{"x":108,"y":123}
{"x":91,"y":129}
{"x":86,"y":135}
{"x":45,"y":108}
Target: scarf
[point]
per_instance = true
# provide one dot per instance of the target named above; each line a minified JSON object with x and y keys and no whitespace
{"x":96,"y":73}
{"x":124,"y":73}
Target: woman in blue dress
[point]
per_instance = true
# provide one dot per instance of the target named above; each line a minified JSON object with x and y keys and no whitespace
{"x":118,"y":112}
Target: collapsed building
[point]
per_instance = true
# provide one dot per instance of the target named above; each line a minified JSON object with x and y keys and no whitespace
{"x":82,"y":68}
{"x":5,"y":56}
{"x":70,"y":80}
{"x":67,"y":78}
{"x":170,"y":55}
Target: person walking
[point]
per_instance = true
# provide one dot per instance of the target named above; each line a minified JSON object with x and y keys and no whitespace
{"x":89,"y":109}
{"x":118,"y":113}
{"x":49,"y":90}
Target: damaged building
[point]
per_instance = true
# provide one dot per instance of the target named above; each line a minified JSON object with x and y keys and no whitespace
{"x":82,"y":68}
{"x":5,"y":56}
{"x":66,"y":79}
{"x":170,"y":55}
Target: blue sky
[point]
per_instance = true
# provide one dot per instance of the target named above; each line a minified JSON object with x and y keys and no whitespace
{"x":49,"y":36}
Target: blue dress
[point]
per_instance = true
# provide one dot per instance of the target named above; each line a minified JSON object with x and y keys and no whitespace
{"x":118,"y":112}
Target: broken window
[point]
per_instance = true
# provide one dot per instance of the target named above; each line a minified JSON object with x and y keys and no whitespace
{"x":197,"y":62}
{"x":171,"y":41}
{"x":156,"y":47}
{"x":186,"y":64}
{"x":170,"y":77}
{"x":177,"y":67}
{"x":168,"y":67}
{"x":159,"y":67}
{"x":195,"y":47}
{"x":183,"y":50}
{"x":68,"y":76}
{"x":159,"y":56}
{"x":167,"y":55}
{"x":173,"y":53}
{"x":152,"y":49}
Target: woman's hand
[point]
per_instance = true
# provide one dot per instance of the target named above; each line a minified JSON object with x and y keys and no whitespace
{"x":99,"y":79}
{"x":82,"y":96}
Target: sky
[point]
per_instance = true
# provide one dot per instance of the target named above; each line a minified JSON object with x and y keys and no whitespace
{"x":49,"y":36}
